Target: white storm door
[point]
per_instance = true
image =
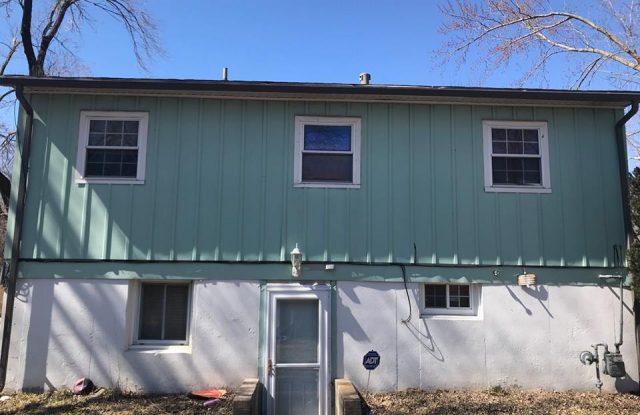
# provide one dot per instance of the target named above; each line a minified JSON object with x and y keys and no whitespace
{"x":297,"y":357}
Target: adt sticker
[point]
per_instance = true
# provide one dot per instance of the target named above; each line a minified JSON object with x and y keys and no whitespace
{"x":371,"y":360}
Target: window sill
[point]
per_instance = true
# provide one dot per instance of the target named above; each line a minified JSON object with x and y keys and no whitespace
{"x":81,"y":180}
{"x":160,"y":349}
{"x":329,"y":185}
{"x":455,"y":317}
{"x":516,"y":189}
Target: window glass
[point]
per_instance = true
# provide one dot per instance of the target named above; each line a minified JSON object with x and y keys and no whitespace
{"x":164,"y":310}
{"x":327,"y":167}
{"x":516,"y":158}
{"x":327,"y":137}
{"x":151,"y":311}
{"x":327,"y":151}
{"x":459,"y":296}
{"x":112,"y":146}
{"x":452,"y":300}
{"x":435,"y":296}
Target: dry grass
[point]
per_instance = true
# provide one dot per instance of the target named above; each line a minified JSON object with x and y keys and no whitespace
{"x":108,"y":403}
{"x":411,"y":402}
{"x":501,"y":401}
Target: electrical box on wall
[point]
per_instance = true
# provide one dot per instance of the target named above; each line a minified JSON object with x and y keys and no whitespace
{"x":614,"y":365}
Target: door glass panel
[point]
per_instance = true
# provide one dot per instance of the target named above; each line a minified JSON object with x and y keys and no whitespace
{"x":297,"y":331}
{"x":296,"y":391}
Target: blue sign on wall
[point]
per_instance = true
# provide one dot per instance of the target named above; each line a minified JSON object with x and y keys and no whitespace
{"x":371,"y":360}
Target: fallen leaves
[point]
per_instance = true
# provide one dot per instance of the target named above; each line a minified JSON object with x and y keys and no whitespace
{"x":500,"y":401}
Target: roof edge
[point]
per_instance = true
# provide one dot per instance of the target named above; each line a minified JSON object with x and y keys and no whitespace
{"x":360,"y":92}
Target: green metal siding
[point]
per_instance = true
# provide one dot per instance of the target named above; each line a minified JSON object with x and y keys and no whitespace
{"x":219,"y":187}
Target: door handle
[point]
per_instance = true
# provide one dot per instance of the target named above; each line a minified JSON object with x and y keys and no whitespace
{"x":270,"y":370}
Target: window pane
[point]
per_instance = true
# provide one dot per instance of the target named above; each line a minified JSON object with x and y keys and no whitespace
{"x":130,"y":140}
{"x":531,"y":177}
{"x":297,"y":391}
{"x":297,"y":331}
{"x":530,"y":135}
{"x":514,"y":148}
{"x":516,"y":170}
{"x":531,"y":164}
{"x":131,"y":127}
{"x":327,"y":137}
{"x":531,"y":148}
{"x":114,"y":126}
{"x":96,"y":139}
{"x":176,"y":311}
{"x":111,"y":163}
{"x":498,"y":134}
{"x":114,"y":140}
{"x":515,"y":177}
{"x":459,"y":296}
{"x":514,"y":135}
{"x":499,"y":147}
{"x":327,"y":168}
{"x":97,"y":126}
{"x":435,"y":296}
{"x":151,"y":305}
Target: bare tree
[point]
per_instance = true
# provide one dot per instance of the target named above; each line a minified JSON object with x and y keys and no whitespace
{"x":45,"y":33}
{"x":600,"y":40}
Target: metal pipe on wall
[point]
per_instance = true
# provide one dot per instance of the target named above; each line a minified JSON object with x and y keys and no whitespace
{"x":16,"y":235}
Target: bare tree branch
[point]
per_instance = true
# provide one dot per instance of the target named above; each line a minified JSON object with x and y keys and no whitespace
{"x":15,"y":43}
{"x":504,"y":29}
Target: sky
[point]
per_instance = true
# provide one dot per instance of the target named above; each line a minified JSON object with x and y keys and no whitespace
{"x":286,"y":40}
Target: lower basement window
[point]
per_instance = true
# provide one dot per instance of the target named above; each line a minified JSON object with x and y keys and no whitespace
{"x":451,"y":299}
{"x":163,"y":314}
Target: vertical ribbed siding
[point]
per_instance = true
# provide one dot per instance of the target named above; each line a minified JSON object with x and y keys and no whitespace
{"x":219,"y":187}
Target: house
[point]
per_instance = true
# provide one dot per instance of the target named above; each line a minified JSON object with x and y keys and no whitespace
{"x":161,"y":218}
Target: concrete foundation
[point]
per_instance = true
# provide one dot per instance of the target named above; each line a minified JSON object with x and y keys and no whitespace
{"x":64,"y":330}
{"x":67,"y":329}
{"x":526,"y":337}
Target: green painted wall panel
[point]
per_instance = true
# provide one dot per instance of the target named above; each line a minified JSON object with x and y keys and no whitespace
{"x":442,"y":178}
{"x":219,"y":177}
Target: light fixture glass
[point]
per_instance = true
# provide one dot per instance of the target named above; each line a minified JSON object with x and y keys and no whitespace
{"x":296,"y":262}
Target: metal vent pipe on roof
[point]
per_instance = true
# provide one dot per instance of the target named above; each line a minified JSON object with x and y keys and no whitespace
{"x":225,"y":74}
{"x":365,"y":78}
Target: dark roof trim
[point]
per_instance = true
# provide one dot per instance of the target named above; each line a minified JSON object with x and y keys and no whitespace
{"x":207,"y":86}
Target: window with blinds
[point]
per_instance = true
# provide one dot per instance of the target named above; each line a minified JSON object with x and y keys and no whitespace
{"x":164,"y":313}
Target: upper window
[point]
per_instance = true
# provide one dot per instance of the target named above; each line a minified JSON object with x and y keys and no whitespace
{"x":112,"y":147}
{"x":163,"y":316}
{"x":451,"y":299}
{"x":516,"y":156}
{"x":327,"y":152}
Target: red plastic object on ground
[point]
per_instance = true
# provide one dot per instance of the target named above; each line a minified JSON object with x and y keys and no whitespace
{"x":209,"y":393}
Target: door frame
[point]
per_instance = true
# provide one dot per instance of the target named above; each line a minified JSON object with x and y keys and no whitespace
{"x":297,"y":291}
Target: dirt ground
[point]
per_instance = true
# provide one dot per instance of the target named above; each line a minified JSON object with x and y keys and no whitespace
{"x":412,"y":402}
{"x":501,"y":401}
{"x":109,"y":403}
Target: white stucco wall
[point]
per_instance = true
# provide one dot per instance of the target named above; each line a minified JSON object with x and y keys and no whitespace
{"x":67,"y":329}
{"x":524,"y":337}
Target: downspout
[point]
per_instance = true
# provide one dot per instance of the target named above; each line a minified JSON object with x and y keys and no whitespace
{"x":623,"y":168}
{"x":17,"y":234}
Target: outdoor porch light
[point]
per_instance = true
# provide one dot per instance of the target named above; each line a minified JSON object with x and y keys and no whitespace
{"x":296,"y":262}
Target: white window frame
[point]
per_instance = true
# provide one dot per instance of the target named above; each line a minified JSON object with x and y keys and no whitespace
{"x":137,"y":300}
{"x":475,"y":302}
{"x":356,"y":130}
{"x":83,"y":141}
{"x":543,"y":137}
